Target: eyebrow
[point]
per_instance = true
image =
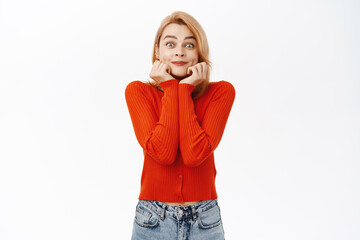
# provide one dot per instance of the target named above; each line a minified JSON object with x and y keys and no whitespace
{"x":171,"y":36}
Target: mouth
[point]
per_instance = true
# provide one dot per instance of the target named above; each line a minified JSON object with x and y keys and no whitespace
{"x":179,"y":63}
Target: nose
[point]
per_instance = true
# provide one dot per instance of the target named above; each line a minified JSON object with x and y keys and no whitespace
{"x":179,"y":52}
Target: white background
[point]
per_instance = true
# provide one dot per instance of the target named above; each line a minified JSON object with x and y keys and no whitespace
{"x":289,"y":160}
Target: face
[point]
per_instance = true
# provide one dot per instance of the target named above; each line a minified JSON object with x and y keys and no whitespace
{"x":178,"y":49}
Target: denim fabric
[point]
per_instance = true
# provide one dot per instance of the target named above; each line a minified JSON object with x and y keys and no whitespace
{"x":155,"y":220}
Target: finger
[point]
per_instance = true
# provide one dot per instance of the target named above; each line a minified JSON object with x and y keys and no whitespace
{"x":205,"y":68}
{"x":195,"y":71}
{"x":200,"y":71}
{"x":189,"y":70}
{"x":155,"y":65}
{"x":167,"y":68}
{"x":200,"y":67}
{"x":162,"y":68}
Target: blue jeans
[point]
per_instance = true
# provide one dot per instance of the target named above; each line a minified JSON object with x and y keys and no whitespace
{"x":155,"y":220}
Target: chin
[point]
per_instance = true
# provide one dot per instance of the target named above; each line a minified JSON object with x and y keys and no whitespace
{"x":178,"y":74}
{"x":179,"y":77}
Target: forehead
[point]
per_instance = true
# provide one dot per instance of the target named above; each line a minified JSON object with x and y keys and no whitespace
{"x":177,"y":30}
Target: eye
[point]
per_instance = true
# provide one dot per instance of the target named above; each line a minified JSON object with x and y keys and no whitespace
{"x":191,"y":45}
{"x":169,"y":44}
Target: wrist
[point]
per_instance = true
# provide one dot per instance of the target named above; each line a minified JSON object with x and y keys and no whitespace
{"x":169,"y":83}
{"x":185,"y":82}
{"x":187,"y":87}
{"x":167,"y":78}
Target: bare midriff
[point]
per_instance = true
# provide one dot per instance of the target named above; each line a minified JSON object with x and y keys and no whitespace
{"x":181,"y":204}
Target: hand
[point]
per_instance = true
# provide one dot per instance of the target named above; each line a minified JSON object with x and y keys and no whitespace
{"x":198,"y":74}
{"x":160,"y":72}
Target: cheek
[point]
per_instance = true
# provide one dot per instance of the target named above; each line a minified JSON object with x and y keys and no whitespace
{"x":195,"y":58}
{"x":164,"y":55}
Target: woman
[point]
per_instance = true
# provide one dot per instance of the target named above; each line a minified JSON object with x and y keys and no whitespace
{"x":178,"y":120}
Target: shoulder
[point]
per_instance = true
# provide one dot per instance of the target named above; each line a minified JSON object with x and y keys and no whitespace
{"x":222,"y":87}
{"x":137,"y":86}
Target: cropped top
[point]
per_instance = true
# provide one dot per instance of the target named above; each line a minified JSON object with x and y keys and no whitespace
{"x":178,"y":136}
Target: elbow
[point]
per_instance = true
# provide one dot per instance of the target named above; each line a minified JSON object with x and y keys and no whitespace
{"x":195,"y":161}
{"x":193,"y":157}
{"x":164,"y":159}
{"x":169,"y":156}
{"x":167,"y":161}
{"x":162,"y":154}
{"x":192,"y":162}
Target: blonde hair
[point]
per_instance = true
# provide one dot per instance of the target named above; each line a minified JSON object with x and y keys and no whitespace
{"x":186,"y":19}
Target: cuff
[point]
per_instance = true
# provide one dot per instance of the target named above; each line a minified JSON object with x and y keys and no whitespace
{"x":186,"y":87}
{"x":169,"y":83}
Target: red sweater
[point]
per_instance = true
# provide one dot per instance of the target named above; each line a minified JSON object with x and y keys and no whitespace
{"x":178,"y":136}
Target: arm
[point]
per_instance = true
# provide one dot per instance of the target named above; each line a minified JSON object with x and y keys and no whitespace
{"x":158,"y":136}
{"x":198,"y":142}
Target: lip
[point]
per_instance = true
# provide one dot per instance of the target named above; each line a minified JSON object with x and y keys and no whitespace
{"x":179,"y":63}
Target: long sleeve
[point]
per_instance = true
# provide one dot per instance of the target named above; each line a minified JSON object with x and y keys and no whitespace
{"x":158,"y":136}
{"x":198,"y":142}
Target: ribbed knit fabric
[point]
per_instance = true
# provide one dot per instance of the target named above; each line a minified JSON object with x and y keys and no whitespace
{"x":178,"y":136}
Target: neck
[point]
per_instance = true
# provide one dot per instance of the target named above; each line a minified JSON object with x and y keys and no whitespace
{"x":181,"y":78}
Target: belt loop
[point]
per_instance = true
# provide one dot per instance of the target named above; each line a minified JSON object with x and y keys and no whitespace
{"x":163,"y":211}
{"x":193,"y":211}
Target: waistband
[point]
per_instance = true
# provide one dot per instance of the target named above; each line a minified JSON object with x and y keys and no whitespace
{"x":191,"y":211}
